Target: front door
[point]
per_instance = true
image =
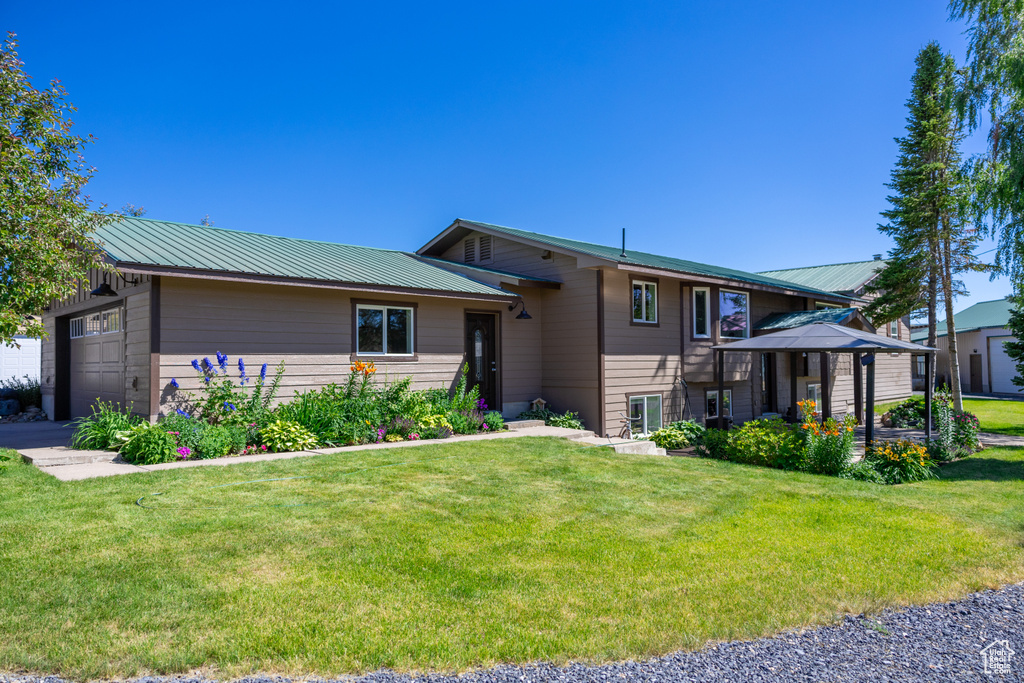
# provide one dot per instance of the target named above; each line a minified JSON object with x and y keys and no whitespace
{"x":975,"y":373}
{"x":481,"y":352}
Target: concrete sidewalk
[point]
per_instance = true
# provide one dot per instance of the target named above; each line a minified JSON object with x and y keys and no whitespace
{"x":71,"y":465}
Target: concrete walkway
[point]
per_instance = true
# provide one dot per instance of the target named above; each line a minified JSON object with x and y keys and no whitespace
{"x":46,"y":450}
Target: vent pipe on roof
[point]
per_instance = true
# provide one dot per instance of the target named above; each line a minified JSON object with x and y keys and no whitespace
{"x":878,"y":257}
{"x":623,"y":254}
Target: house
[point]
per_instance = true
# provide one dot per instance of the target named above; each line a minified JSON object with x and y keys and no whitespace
{"x":894,"y":377}
{"x":981,"y":331}
{"x":597,"y":329}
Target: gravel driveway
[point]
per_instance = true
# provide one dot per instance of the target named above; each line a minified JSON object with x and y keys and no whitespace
{"x":940,"y":642}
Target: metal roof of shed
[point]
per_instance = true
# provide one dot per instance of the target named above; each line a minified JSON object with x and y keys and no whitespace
{"x":983,"y":314}
{"x":147,"y":242}
{"x":836,"y":277}
{"x":823,"y":337}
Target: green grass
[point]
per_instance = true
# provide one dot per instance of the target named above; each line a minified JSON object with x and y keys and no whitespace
{"x":996,"y":416}
{"x":510,"y":550}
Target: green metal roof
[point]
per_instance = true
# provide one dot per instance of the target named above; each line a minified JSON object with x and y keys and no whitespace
{"x":143,"y":241}
{"x":837,"y":277}
{"x":648,"y":260}
{"x":484,"y":269}
{"x":785,"y":321}
{"x":984,"y":314}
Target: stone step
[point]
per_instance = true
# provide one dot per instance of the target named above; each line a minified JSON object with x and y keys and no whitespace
{"x":54,"y":457}
{"x":523,"y":424}
{"x":638,"y":447}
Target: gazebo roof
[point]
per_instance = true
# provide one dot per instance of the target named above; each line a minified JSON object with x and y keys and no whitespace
{"x":823,"y":337}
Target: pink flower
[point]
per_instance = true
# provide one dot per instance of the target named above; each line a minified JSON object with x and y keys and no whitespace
{"x":413,"y":437}
{"x":184,"y":452}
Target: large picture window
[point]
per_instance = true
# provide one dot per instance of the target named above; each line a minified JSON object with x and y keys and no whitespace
{"x":734,"y":311}
{"x":645,"y":413}
{"x":711,"y":401}
{"x":384,"y":330}
{"x":645,"y":302}
{"x":701,"y":312}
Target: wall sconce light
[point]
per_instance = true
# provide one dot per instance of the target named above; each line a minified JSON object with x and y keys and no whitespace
{"x":523,"y":315}
{"x":104,"y":289}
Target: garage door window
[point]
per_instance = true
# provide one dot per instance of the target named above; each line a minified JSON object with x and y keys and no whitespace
{"x":97,"y":323}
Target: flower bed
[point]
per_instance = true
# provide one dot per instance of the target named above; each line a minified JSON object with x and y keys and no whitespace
{"x":236,"y":416}
{"x":817,"y":447}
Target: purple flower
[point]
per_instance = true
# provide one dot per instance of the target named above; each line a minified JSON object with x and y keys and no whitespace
{"x":208,"y":363}
{"x":195,"y":364}
{"x":263,"y":372}
{"x":181,"y":412}
{"x":229,"y":406}
{"x":207,"y":379}
{"x":174,"y":383}
{"x":481,"y":404}
{"x":241,"y":366}
{"x":222,"y":360}
{"x":184,"y":452}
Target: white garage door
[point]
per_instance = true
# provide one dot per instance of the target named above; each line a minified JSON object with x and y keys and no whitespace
{"x":18,"y":362}
{"x":97,"y":360}
{"x":1003,"y":368}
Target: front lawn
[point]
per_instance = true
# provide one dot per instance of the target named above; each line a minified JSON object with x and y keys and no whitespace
{"x":473,"y":553}
{"x":998,"y":417}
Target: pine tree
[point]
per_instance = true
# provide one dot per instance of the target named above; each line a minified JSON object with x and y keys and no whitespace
{"x":1015,"y":349}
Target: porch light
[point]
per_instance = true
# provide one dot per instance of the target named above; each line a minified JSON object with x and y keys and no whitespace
{"x":104,"y":289}
{"x":523,"y":315}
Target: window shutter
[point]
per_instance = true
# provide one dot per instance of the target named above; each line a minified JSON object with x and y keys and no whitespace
{"x":470,"y":250}
{"x":485,"y":247}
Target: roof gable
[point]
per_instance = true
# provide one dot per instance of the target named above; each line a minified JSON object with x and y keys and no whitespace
{"x":614,"y":255}
{"x":186,"y":248}
{"x":836,"y":277}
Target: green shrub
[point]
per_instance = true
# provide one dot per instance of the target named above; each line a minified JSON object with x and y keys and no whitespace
{"x":909,"y":413}
{"x":465,"y":421}
{"x":98,"y":431}
{"x":828,"y":446}
{"x":149,"y":445}
{"x":714,"y":444}
{"x":900,"y":461}
{"x":669,"y":438}
{"x":965,"y":432}
{"x":187,"y":431}
{"x":282,"y":436}
{"x":569,"y":420}
{"x":26,"y":390}
{"x":537,"y":414}
{"x":862,"y":470}
{"x":494,"y":421}
{"x":217,"y":441}
{"x":769,"y":443}
{"x":692,"y":430}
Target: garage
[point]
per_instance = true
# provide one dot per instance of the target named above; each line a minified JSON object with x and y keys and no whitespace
{"x":1001,"y":366}
{"x":23,"y":359}
{"x":96,"y":349}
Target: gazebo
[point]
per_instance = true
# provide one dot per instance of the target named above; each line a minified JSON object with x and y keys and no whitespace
{"x":826,"y":338}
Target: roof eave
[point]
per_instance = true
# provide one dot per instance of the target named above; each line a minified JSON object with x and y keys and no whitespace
{"x":232,"y":276}
{"x":710,"y":279}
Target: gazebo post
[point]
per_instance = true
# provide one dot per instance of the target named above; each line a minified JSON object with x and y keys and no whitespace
{"x":858,"y":389}
{"x":826,"y":398}
{"x":928,"y":381}
{"x":792,"y":385}
{"x":721,"y":389}
{"x":869,"y":418}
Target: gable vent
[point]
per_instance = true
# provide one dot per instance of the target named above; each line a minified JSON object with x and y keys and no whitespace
{"x":485,"y":247}
{"x":470,"y":254}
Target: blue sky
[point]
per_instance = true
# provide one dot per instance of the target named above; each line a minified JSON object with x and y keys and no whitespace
{"x":748,"y":134}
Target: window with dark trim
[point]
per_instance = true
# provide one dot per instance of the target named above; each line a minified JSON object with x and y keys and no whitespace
{"x":645,"y":301}
{"x":701,"y":312}
{"x":711,"y":403}
{"x":384,"y":330}
{"x":734,"y":314}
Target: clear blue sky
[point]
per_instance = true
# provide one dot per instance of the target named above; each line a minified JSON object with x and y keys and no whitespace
{"x":748,"y":134}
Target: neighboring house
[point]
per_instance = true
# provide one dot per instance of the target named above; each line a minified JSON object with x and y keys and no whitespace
{"x":20,"y":359}
{"x":981,"y":331}
{"x":587,"y":327}
{"x":893,"y":375}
